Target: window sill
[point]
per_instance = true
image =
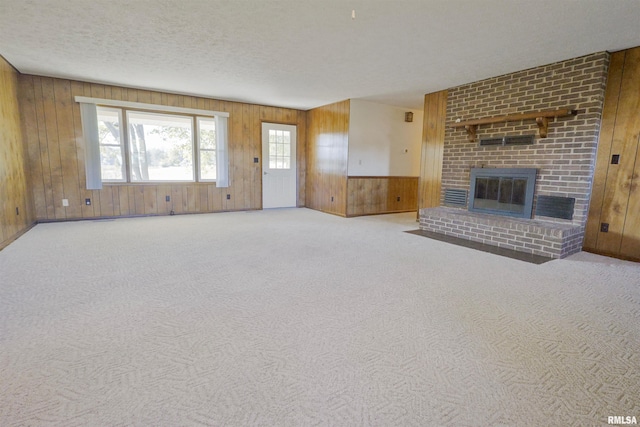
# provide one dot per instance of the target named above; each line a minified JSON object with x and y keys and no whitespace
{"x":121,"y":184}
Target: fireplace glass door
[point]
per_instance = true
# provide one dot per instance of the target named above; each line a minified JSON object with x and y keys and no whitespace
{"x":504,"y":194}
{"x":502,"y":191}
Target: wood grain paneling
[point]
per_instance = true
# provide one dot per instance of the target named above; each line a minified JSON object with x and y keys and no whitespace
{"x":605,"y":141}
{"x":16,"y":206}
{"x":55,"y":146}
{"x":615,"y":198}
{"x":435,"y":112}
{"x":371,"y":195}
{"x":327,"y":153}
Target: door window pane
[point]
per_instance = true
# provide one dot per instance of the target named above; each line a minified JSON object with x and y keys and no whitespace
{"x":279,"y":149}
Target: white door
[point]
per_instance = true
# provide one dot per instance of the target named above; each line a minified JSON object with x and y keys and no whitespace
{"x":279,"y":175}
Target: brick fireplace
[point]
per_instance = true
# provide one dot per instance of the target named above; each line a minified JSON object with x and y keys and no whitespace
{"x":564,"y":161}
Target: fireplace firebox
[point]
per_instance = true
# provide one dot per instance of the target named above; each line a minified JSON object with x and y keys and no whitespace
{"x":502,"y":191}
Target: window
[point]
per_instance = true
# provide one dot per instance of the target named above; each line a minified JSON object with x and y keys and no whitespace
{"x":158,"y":147}
{"x":207,"y":148}
{"x":111,"y":144}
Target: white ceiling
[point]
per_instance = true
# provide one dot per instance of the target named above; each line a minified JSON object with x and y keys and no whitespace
{"x":306,"y":53}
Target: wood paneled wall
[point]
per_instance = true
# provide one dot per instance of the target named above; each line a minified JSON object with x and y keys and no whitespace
{"x":16,"y":207}
{"x":615,"y":198}
{"x":379,"y":194}
{"x":53,"y":134}
{"x":435,"y":113}
{"x":327,"y":154}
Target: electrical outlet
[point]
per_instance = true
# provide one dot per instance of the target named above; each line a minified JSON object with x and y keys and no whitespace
{"x":256,"y":160}
{"x":167,"y":198}
{"x":228,"y":196}
{"x":398,"y":198}
{"x":87,"y":202}
{"x":604,"y":227}
{"x":332,"y":198}
{"x":65,"y":202}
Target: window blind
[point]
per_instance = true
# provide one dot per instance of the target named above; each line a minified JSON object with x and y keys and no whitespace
{"x":222,"y":152}
{"x":89,"y":118}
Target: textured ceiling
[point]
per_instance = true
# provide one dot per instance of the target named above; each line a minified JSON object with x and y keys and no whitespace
{"x":306,"y":53}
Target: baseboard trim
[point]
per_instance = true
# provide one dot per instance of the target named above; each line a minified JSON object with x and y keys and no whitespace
{"x":98,"y":218}
{"x":381,"y":213}
{"x":16,"y":236}
{"x":611,"y":255}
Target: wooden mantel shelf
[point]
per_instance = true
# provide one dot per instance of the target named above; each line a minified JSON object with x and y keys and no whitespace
{"x":541,"y":118}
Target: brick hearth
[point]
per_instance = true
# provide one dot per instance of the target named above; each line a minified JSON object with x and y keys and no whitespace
{"x":545,"y":238}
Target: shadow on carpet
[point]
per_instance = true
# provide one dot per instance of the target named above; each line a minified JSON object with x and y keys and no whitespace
{"x":509,"y":253}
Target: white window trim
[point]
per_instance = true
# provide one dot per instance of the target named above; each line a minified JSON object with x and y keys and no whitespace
{"x":150,"y":107}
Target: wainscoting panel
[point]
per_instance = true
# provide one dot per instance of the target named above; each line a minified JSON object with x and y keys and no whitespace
{"x":370,"y":195}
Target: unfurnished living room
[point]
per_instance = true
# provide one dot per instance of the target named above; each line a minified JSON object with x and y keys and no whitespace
{"x":295,"y":213}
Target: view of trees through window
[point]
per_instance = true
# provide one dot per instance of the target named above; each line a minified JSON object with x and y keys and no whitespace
{"x":160,"y":147}
{"x":111,"y":148}
{"x":207,"y":148}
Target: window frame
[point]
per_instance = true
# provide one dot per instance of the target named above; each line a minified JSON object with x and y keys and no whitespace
{"x":123,"y":151}
{"x":200,"y":149}
{"x":127,"y":113}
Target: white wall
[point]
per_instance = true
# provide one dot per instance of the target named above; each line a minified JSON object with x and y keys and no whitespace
{"x":381,"y":143}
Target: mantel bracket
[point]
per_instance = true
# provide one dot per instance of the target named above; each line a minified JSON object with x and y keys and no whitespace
{"x":543,"y":126}
{"x":471,"y":132}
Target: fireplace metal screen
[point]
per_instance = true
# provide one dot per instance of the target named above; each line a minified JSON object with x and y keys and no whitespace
{"x":502,"y":191}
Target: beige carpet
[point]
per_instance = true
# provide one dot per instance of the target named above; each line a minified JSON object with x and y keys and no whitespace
{"x":296,"y":318}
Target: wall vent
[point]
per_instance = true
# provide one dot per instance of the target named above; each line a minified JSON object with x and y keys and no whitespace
{"x":519,"y":140}
{"x":509,"y":140}
{"x":492,"y":141}
{"x":455,"y":197}
{"x":555,"y":207}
